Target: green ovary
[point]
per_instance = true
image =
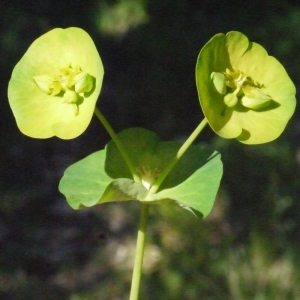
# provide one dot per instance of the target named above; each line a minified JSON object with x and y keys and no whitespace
{"x":70,"y":83}
{"x":239,"y":88}
{"x":230,"y":100}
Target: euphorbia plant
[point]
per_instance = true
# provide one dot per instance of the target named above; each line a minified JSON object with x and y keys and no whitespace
{"x":244,"y":94}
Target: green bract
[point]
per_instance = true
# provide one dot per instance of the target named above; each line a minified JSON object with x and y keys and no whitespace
{"x":105,"y":177}
{"x":54,"y":87}
{"x":244,"y":93}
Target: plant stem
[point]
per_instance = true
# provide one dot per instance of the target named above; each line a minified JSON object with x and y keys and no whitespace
{"x":139,"y":254}
{"x":178,"y":155}
{"x":141,"y":238}
{"x":119,"y":144}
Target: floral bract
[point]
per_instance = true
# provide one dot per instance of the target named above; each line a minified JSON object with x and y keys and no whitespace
{"x":54,"y":87}
{"x":244,"y":93}
{"x":104,"y":176}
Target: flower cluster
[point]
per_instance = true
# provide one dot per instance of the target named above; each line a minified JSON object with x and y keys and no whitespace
{"x":244,"y":93}
{"x":54,"y":87}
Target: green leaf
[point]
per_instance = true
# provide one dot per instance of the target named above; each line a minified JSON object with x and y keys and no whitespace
{"x":104,"y":176}
{"x":84,"y":182}
{"x":199,"y":190}
{"x":140,"y":144}
{"x":123,"y":189}
{"x":146,"y":150}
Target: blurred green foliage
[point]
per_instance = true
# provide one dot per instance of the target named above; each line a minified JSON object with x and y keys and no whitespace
{"x":248,"y":248}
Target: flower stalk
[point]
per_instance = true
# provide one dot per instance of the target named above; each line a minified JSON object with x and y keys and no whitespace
{"x":139,"y":254}
{"x":179,"y":154}
{"x":119,"y":144}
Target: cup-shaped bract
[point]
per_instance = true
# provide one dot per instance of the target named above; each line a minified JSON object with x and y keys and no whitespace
{"x":54,"y":87}
{"x":244,"y":93}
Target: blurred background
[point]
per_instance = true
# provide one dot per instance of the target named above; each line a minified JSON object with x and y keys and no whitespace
{"x":248,"y":247}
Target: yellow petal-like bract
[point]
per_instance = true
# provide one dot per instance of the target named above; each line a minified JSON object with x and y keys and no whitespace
{"x":244,"y":93}
{"x":54,"y":87}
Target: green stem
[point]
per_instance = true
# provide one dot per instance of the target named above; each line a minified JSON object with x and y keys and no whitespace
{"x":139,"y":254}
{"x":178,"y":155}
{"x":119,"y":144}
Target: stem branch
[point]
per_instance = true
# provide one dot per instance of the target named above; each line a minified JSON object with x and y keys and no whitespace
{"x":178,"y":155}
{"x":119,"y":144}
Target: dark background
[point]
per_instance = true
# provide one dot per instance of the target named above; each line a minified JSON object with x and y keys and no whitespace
{"x":248,"y":247}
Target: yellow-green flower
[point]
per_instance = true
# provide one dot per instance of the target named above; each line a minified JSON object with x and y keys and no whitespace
{"x":244,"y":93}
{"x":54,"y":87}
